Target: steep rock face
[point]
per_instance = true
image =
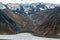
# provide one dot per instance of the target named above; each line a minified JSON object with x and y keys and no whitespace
{"x":5,"y":22}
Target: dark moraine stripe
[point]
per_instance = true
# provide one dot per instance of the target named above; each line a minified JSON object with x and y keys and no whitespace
{"x":6,"y":19}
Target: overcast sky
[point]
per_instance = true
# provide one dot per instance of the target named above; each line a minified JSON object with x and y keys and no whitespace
{"x":28,"y":1}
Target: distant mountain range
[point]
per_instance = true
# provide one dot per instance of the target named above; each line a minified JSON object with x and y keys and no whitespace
{"x":27,"y":9}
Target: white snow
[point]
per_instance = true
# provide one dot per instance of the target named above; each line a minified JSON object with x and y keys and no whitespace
{"x":2,"y":6}
{"x":13,"y":6}
{"x":50,"y":6}
{"x":25,"y":36}
{"x":26,"y":10}
{"x":42,"y":9}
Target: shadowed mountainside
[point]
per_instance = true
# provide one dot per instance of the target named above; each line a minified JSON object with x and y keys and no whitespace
{"x":39,"y":23}
{"x":42,"y":23}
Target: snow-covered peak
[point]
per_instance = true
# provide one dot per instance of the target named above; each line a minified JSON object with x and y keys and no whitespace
{"x":13,"y":6}
{"x":50,"y":6}
{"x":2,"y":6}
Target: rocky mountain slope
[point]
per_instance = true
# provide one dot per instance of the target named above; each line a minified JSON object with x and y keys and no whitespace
{"x":35,"y":18}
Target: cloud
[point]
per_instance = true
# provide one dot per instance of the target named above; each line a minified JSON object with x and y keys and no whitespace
{"x":30,"y":1}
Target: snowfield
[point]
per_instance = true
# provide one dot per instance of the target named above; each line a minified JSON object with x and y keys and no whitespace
{"x":25,"y":36}
{"x":2,"y":6}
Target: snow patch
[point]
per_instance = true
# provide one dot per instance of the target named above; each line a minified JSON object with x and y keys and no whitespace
{"x":12,"y":6}
{"x":50,"y":6}
{"x":2,"y":6}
